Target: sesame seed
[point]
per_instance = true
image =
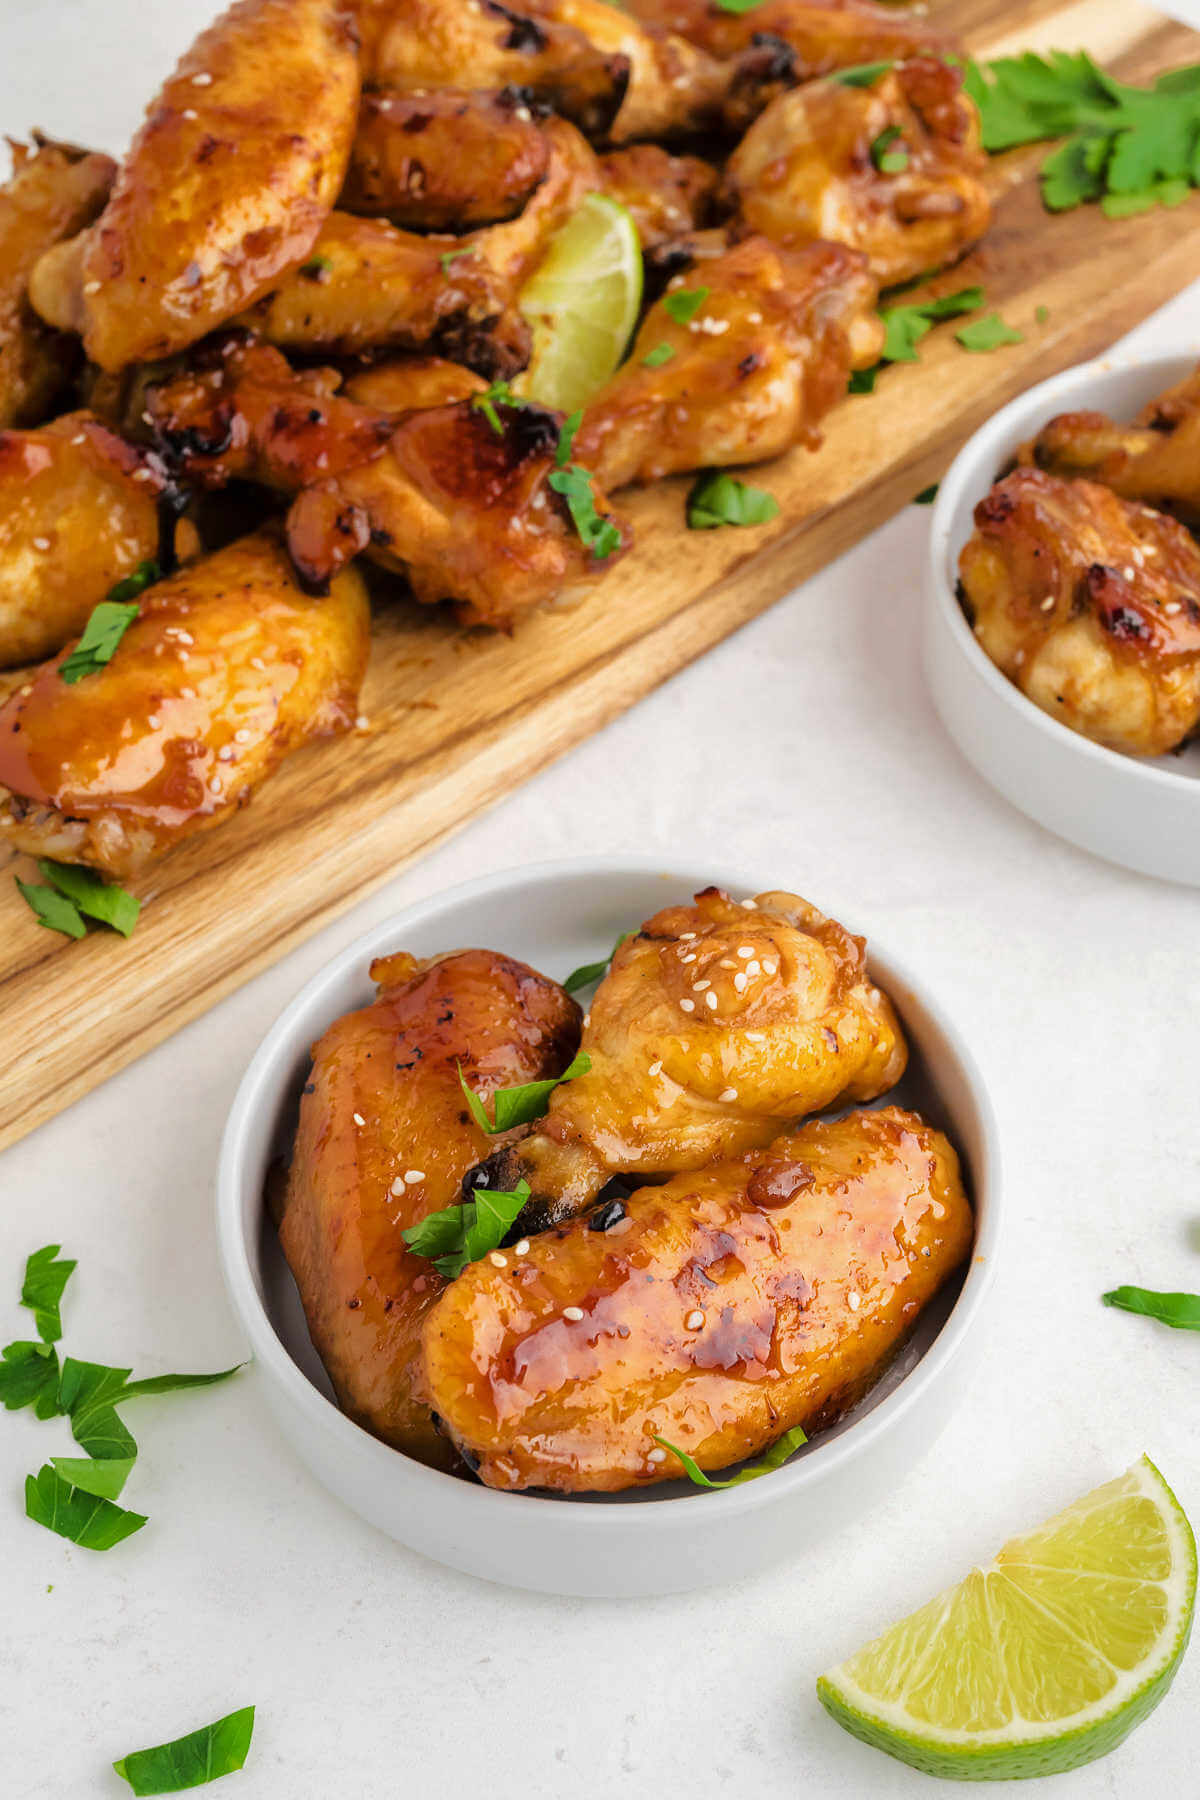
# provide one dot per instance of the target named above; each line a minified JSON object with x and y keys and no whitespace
{"x":188,"y":693}
{"x":91,"y":287}
{"x":1173,"y":606}
{"x":397,"y":1187}
{"x":754,"y":967}
{"x":185,"y":637}
{"x":739,"y":982}
{"x":217,"y":785}
{"x":1150,"y":550}
{"x":711,"y":1001}
{"x":745,"y":950}
{"x":256,"y":662}
{"x":727,"y":1094}
{"x":521,"y":1247}
{"x":225,"y":753}
{"x":656,"y":1455}
{"x":361,"y":723}
{"x":80,"y":437}
{"x":189,"y":113}
{"x":497,"y":1261}
{"x":41,"y":543}
{"x":750,"y":905}
{"x":202,"y":80}
{"x":655,"y":1068}
{"x":694,"y":1320}
{"x":770,"y":968}
{"x":1128,"y":571}
{"x":358,"y":1119}
{"x":574,"y":1313}
{"x":701,"y":987}
{"x":154,"y":721}
{"x":411,"y":1175}
{"x":854,"y":1300}
{"x":689,"y":958}
{"x":1048,"y":603}
{"x":687,"y":1006}
{"x":241,"y":735}
{"x":686,"y":936}
{"x":756,"y":1037}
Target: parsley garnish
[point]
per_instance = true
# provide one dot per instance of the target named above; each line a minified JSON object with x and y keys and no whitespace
{"x":566,"y":438}
{"x":598,"y":534}
{"x":987,"y":333}
{"x":192,"y":1761}
{"x":1180,"y":1310}
{"x":738,"y":6}
{"x":1042,"y":314}
{"x":905,"y":326}
{"x":461,"y":1234}
{"x":519,"y":1105}
{"x":685,"y":304}
{"x":498,"y":394}
{"x":861,"y":75}
{"x":29,"y":1377}
{"x":85,"y":1519}
{"x":53,"y":910}
{"x":589,"y":973}
{"x":776,"y":1455}
{"x":46,"y":1275}
{"x":316,"y":268}
{"x":927,"y":496}
{"x":661,"y":353}
{"x":74,"y":892}
{"x":137,"y":581}
{"x":721,"y":499}
{"x":103,"y":632}
{"x":448,"y":256}
{"x":887,"y":160}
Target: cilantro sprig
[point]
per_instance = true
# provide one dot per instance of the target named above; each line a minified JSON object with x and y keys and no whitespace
{"x":588,"y":974}
{"x":498,"y":394}
{"x":1182,"y":1311}
{"x":988,"y":333}
{"x":107,"y":624}
{"x":684,"y":304}
{"x":718,"y":498}
{"x":887,"y":160}
{"x":71,"y":895}
{"x":906,"y":324}
{"x":461,"y":1234}
{"x":519,"y":1105}
{"x":775,"y":1457}
{"x":192,"y":1761}
{"x":596,"y":533}
{"x":661,"y":353}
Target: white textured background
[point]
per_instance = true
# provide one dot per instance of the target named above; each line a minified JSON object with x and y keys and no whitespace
{"x":805,"y":742}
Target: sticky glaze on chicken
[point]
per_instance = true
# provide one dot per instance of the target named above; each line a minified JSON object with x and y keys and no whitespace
{"x":54,"y":192}
{"x":78,"y":511}
{"x":675,"y":89}
{"x":820,"y":162}
{"x":823,"y":35}
{"x":1091,"y":605}
{"x":716,"y":1025}
{"x":409,"y":383}
{"x":751,"y":374}
{"x":227,"y":668}
{"x":384,"y":1139}
{"x":721,"y":1310}
{"x":667,"y":196}
{"x":1156,"y":459}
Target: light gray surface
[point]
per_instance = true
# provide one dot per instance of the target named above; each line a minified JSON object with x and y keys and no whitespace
{"x":806,"y":742}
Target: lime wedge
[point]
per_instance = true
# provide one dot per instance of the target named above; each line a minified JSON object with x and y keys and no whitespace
{"x":1046,"y":1658}
{"x":582,"y":302}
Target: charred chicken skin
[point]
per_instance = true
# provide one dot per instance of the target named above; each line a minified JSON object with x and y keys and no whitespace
{"x":227,"y":668}
{"x":823,"y":35}
{"x":752,"y":373}
{"x":384,"y":1139}
{"x":1090,"y":604}
{"x":667,"y":196}
{"x":717,"y":1311}
{"x":1155,"y":460}
{"x":716,"y":1025}
{"x":895,"y":169}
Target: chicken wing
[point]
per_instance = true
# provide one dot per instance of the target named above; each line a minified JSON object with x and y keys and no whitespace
{"x":675,"y":89}
{"x":54,"y":192}
{"x":227,"y":668}
{"x":895,"y":169}
{"x":752,"y":371}
{"x":717,"y":1024}
{"x":1156,"y":459}
{"x":410,"y":383}
{"x":228,"y":182}
{"x":384,"y":1139}
{"x":717,"y":1311}
{"x":1090,"y":604}
{"x":666,"y":195}
{"x":823,"y":35}
{"x":457,"y":501}
{"x":79,"y":509}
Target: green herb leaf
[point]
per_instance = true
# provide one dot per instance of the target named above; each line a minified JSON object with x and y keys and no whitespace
{"x":499,"y":394}
{"x":683,"y":305}
{"x":862,"y":381}
{"x":461,"y":1234}
{"x":887,"y":160}
{"x":519,"y":1105}
{"x":721,"y":499}
{"x":136,"y":582}
{"x":175,"y":1384}
{"x":928,"y":495}
{"x":316,"y":268}
{"x":192,"y":1761}
{"x":988,"y":333}
{"x":29,"y":1377}
{"x":597,"y":534}
{"x":42,"y":1290}
{"x":661,"y":353}
{"x":738,"y":6}
{"x":103,"y":632}
{"x":1180,"y":1310}
{"x":85,"y":1519}
{"x":774,"y":1458}
{"x":1042,"y":314}
{"x":589,"y":973}
{"x":566,"y":438}
{"x":448,"y":256}
{"x":87,"y":1393}
{"x":860,"y":75}
{"x":53,"y":909}
{"x":102,"y":900}
{"x":102,"y":1476}
{"x":905,"y":326}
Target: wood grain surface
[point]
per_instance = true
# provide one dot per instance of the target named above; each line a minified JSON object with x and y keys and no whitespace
{"x":456,"y":718}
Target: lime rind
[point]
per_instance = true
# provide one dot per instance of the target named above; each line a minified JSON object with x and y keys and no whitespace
{"x":1021,"y":1747}
{"x":582,"y":303}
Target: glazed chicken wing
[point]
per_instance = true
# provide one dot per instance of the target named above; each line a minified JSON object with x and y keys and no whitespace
{"x":674,"y":87}
{"x":228,"y":182}
{"x":1091,"y":605}
{"x":667,"y":196}
{"x":718,"y":1311}
{"x":895,"y":169}
{"x":54,"y":192}
{"x":717,"y":1024}
{"x":1156,"y":459}
{"x":383,"y":1140}
{"x":752,"y":372}
{"x":823,"y":35}
{"x":79,"y":509}
{"x":410,"y":383}
{"x":227,"y":668}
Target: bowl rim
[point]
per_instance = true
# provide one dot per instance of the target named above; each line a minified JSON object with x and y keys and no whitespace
{"x":986,"y":446}
{"x":261,"y":1081}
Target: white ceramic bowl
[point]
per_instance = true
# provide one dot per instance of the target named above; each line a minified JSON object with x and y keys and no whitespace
{"x":1144,"y":813}
{"x":672,"y":1537}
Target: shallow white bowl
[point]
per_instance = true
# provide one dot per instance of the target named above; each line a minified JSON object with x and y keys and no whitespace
{"x":672,"y":1537}
{"x":1144,"y":813}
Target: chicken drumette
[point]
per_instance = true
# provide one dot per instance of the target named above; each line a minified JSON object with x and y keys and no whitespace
{"x":1091,"y":605}
{"x":1156,"y":459}
{"x":717,"y":1311}
{"x":384,"y":1139}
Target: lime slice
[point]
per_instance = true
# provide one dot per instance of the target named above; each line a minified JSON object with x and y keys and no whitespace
{"x":582,"y":302}
{"x":1046,"y":1658}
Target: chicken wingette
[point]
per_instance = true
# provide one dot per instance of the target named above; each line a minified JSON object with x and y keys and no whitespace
{"x":717,"y":1024}
{"x":823,"y":35}
{"x":384,"y":1139}
{"x":717,"y":1311}
{"x":226,"y":669}
{"x":1090,"y":604}
{"x":1156,"y":459}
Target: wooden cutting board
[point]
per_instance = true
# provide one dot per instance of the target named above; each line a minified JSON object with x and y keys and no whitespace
{"x":457,"y":718}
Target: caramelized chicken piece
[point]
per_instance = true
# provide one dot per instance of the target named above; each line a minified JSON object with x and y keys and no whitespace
{"x":674,"y":88}
{"x":425,"y":45}
{"x":716,"y":1025}
{"x":1091,"y":605}
{"x":512,"y":251}
{"x":227,"y":183}
{"x":383,"y":1140}
{"x":54,"y":192}
{"x":79,"y":509}
{"x":718,"y":1311}
{"x":227,"y":668}
{"x":667,"y":195}
{"x":448,"y":160}
{"x":895,"y":169}
{"x":464,"y":511}
{"x":409,"y":383}
{"x":823,"y":35}
{"x":1156,"y":459}
{"x":753,"y":372}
